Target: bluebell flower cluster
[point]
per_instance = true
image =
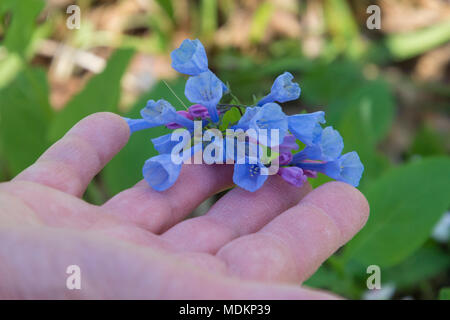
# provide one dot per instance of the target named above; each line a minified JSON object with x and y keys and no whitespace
{"x":301,"y":147}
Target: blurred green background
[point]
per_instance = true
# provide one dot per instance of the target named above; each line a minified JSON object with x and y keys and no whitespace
{"x":387,"y":91}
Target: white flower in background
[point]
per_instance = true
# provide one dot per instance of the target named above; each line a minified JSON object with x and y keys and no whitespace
{"x":441,"y":231}
{"x":385,"y":293}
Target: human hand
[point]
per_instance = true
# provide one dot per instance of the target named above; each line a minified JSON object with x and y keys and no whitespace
{"x":259,"y":245}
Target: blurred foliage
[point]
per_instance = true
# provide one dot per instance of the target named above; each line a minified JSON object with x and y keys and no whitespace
{"x":25,"y":118}
{"x":385,"y":90}
{"x":399,"y":210}
{"x":444,"y":294}
{"x":22,"y":24}
{"x":426,"y":263}
{"x":102,"y":93}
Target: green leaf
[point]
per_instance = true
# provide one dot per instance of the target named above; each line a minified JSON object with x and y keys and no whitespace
{"x":231,"y":116}
{"x":18,"y":37}
{"x":125,"y":169}
{"x":102,"y":93}
{"x":444,"y":294}
{"x":427,"y":143}
{"x":324,"y":277}
{"x":329,"y":279}
{"x":424,"y":264}
{"x":3,"y":169}
{"x":25,"y":114}
{"x":268,"y":154}
{"x":407,"y":45}
{"x":19,"y":33}
{"x":342,"y":26}
{"x":260,"y":21}
{"x":327,"y":83}
{"x":319,"y":180}
{"x":405,"y":205}
{"x":373,"y":102}
{"x":167,"y":6}
{"x":363,"y":118}
{"x":340,"y":19}
{"x":209,"y":16}
{"x":94,"y":194}
{"x":10,"y":66}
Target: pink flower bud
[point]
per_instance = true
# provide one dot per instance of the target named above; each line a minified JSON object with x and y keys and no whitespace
{"x":285,"y":158}
{"x":174,"y":125}
{"x":198,"y":111}
{"x":292,"y":175}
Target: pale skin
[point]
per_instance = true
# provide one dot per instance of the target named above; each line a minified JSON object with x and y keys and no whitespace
{"x":138,"y":245}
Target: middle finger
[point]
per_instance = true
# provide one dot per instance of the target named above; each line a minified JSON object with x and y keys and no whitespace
{"x":238,"y":213}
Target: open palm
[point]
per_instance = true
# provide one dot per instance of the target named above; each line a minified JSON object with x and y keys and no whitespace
{"x":259,"y":245}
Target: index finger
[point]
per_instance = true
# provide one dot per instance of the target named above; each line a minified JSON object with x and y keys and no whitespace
{"x":71,"y":163}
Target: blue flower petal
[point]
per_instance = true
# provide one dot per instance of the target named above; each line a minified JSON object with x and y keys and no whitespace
{"x":306,"y":127}
{"x":158,"y":113}
{"x":269,"y":117}
{"x":244,"y":121}
{"x":190,"y":58}
{"x":138,"y":124}
{"x":326,"y":147}
{"x":160,"y":172}
{"x":162,"y":112}
{"x":283,"y":90}
{"x":205,"y":89}
{"x":331,"y":144}
{"x":164,"y":144}
{"x":250,"y":177}
{"x":347,"y":168}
